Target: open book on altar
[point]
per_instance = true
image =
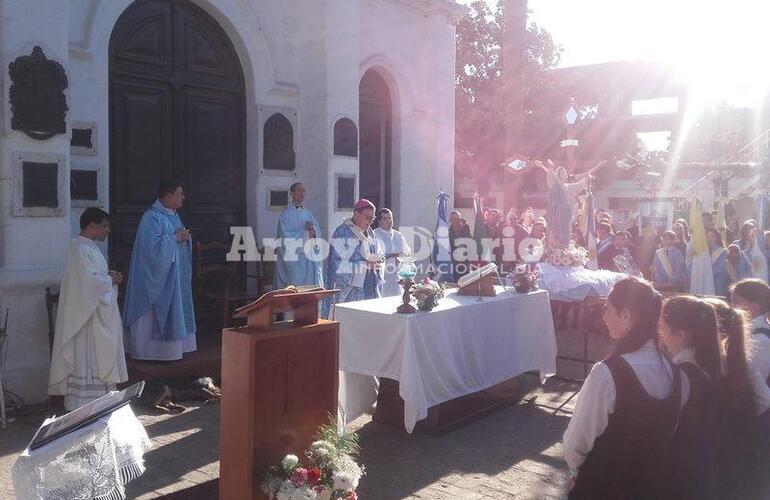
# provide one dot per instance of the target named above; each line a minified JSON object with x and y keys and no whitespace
{"x":479,"y":282}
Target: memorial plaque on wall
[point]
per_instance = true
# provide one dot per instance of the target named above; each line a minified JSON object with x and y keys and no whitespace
{"x":278,"y":198}
{"x":83,"y":185}
{"x":38,"y":102}
{"x":346,"y":192}
{"x":83,"y":140}
{"x":40,"y":184}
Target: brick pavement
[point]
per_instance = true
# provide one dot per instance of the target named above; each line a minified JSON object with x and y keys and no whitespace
{"x":512,"y":453}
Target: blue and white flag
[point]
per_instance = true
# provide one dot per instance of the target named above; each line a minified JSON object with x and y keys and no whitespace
{"x":442,"y":253}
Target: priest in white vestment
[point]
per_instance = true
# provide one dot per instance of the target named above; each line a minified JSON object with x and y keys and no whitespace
{"x":393,"y":245}
{"x":87,"y":360}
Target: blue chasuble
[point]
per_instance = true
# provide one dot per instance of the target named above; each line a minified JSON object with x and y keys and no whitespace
{"x":297,"y":269}
{"x":160,"y":276}
{"x":346,"y":263}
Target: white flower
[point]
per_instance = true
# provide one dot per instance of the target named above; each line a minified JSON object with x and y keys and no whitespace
{"x":303,"y":493}
{"x":325,"y":494}
{"x":289,"y":462}
{"x":285,"y":491}
{"x":342,"y":481}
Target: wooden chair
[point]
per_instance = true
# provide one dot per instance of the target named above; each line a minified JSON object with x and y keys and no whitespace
{"x":265,"y":274}
{"x":51,"y":302}
{"x":218,"y":281}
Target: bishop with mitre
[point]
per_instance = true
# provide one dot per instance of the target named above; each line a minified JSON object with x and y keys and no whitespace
{"x":87,"y":359}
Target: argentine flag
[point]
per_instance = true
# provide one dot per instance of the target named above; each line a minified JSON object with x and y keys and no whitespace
{"x":442,"y":253}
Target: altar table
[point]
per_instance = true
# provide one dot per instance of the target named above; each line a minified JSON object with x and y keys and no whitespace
{"x":461,"y":347}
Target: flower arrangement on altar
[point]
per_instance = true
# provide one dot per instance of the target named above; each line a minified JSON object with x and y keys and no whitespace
{"x":524,"y":279}
{"x":427,"y":293}
{"x":572,"y":255}
{"x":329,"y":471}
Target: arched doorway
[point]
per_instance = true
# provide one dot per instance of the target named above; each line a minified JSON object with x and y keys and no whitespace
{"x":375,"y":139}
{"x":176,"y":112}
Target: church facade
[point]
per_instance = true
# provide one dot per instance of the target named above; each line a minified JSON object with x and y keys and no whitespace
{"x":236,"y":99}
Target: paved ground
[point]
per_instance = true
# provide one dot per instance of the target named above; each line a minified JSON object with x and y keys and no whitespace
{"x":512,"y":453}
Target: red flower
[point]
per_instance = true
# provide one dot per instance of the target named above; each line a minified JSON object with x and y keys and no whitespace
{"x":313,"y":476}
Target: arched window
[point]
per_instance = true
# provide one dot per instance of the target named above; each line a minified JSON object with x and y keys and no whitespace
{"x":345,"y":138}
{"x":278,"y":152}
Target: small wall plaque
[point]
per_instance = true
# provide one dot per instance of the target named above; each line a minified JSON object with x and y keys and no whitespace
{"x":345,"y":192}
{"x":277,"y":198}
{"x":38,"y":185}
{"x":83,"y":185}
{"x":83,"y":140}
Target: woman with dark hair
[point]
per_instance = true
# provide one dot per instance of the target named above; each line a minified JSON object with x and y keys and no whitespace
{"x":747,"y":234}
{"x":743,"y":441}
{"x":688,"y":328}
{"x":619,"y":434}
{"x":753,"y":296}
{"x":685,"y":230}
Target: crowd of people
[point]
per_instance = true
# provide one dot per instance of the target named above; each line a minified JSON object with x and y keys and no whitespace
{"x":679,"y":409}
{"x":661,"y":255}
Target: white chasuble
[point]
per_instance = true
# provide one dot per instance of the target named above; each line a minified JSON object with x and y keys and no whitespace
{"x":88,"y":358}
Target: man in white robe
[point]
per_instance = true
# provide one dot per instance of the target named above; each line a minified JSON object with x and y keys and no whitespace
{"x":87,"y":358}
{"x":393,"y":245}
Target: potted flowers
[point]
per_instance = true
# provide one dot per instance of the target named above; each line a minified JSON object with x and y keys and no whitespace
{"x":328,"y":472}
{"x":524,"y":279}
{"x":427,"y":294}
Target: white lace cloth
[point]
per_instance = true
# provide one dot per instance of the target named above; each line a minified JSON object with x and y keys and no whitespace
{"x":94,"y":462}
{"x":577,"y":283}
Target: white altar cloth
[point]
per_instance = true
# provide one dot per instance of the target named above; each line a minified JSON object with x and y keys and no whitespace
{"x":94,"y":462}
{"x":576,"y":283}
{"x":461,"y":347}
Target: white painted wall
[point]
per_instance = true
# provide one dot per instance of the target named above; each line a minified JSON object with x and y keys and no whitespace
{"x":305,"y":56}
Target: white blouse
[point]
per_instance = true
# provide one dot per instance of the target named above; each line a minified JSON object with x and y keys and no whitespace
{"x":759,"y":389}
{"x":759,"y":347}
{"x":596,"y":400}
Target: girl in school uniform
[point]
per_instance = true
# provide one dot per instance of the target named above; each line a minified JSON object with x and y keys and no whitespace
{"x":620,"y":432}
{"x":688,"y":329}
{"x":753,"y":296}
{"x":744,"y":400}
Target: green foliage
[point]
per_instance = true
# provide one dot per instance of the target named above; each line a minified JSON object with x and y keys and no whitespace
{"x":479,"y":93}
{"x":345,"y":443}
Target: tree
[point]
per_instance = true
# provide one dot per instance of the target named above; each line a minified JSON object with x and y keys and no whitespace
{"x":479,"y":96}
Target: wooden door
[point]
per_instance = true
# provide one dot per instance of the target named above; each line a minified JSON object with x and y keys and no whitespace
{"x":375,"y":123}
{"x":176,"y":112}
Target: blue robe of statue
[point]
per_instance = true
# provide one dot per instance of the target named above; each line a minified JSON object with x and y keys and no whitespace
{"x":722,"y":279}
{"x":299,"y":270}
{"x":660,"y":274}
{"x":347,"y":267}
{"x":160,"y":276}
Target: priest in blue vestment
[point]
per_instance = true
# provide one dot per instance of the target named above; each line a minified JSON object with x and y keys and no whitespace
{"x":158,"y":311}
{"x":296,"y":226}
{"x":354,"y":258}
{"x":669,"y":270}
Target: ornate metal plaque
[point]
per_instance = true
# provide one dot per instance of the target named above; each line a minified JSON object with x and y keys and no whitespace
{"x":38,"y":103}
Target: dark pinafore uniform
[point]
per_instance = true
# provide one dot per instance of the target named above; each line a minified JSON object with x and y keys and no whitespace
{"x":694,"y":460}
{"x":627,"y":460}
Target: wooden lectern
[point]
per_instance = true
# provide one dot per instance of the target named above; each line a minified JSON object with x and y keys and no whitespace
{"x":279,"y":384}
{"x":479,"y":281}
